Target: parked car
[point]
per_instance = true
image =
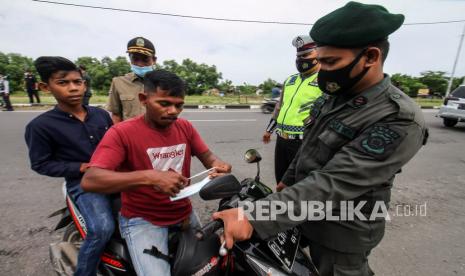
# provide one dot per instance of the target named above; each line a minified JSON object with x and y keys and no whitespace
{"x":453,"y":109}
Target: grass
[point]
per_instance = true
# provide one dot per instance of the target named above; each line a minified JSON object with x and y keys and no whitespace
{"x":21,"y":98}
{"x":429,"y":102}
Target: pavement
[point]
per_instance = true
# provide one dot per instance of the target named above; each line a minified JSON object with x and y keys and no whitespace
{"x":415,"y":243}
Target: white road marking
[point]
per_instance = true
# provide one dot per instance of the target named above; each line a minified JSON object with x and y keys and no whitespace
{"x":225,"y":120}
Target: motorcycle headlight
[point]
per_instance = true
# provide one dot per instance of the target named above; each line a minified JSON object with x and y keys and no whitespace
{"x":263,"y":268}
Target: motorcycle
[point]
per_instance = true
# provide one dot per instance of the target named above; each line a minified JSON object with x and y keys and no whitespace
{"x":268,"y":105}
{"x":195,"y":251}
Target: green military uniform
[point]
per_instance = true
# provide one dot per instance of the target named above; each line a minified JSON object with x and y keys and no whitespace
{"x":123,"y":97}
{"x":352,"y":149}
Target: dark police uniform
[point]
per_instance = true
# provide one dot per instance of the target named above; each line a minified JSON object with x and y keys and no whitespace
{"x":352,"y":149}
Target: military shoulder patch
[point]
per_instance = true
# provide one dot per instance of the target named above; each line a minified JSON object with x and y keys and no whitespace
{"x":380,"y":141}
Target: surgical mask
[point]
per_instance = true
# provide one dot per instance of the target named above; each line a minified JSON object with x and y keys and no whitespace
{"x":305,"y":64}
{"x":141,"y":70}
{"x":335,"y":82}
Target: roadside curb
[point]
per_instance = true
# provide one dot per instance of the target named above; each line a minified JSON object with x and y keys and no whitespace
{"x":194,"y":106}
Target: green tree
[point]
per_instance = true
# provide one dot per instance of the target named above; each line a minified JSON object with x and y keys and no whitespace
{"x":267,"y":85}
{"x":408,"y":84}
{"x":198,"y":77}
{"x":14,"y":66}
{"x":226,"y":86}
{"x":247,"y":88}
{"x":456,"y":82}
{"x":435,"y":80}
{"x":103,"y":71}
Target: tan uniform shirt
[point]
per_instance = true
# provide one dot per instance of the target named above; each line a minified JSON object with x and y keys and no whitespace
{"x":123,"y":96}
{"x":351,"y":151}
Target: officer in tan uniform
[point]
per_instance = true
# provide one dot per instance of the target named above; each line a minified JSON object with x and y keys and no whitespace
{"x":357,"y":138}
{"x":123,"y":101}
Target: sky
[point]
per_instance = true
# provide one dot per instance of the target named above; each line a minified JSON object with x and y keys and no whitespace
{"x":243,"y":52}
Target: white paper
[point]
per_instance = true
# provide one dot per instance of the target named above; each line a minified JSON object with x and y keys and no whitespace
{"x":191,"y":189}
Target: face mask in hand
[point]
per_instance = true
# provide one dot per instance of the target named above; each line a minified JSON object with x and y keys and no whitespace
{"x":337,"y":81}
{"x":305,"y":64}
{"x":141,"y":70}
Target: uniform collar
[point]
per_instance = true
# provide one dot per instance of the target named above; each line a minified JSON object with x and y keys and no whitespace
{"x":308,"y":76}
{"x":370,"y":94}
{"x":66,"y":114}
{"x":133,"y":77}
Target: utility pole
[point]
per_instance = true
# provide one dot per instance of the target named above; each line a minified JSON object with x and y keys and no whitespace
{"x":455,"y":63}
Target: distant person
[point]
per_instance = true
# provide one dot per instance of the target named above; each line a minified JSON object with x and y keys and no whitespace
{"x":61,"y":142}
{"x":276,"y":91}
{"x":87,"y":79}
{"x":123,"y":101}
{"x":5,"y":92}
{"x":31,"y":87}
{"x":299,"y":93}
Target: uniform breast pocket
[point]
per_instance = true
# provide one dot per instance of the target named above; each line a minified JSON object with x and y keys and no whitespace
{"x":127,"y":103}
{"x":329,"y":143}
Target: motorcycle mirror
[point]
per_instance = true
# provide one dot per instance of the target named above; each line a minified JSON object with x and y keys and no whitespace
{"x":252,"y":156}
{"x":220,"y":187}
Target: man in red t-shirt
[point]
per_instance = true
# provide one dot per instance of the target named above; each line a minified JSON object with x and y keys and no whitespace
{"x":148,"y":159}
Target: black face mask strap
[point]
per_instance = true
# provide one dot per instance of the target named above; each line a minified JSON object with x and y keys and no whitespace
{"x":352,"y":65}
{"x":357,"y":59}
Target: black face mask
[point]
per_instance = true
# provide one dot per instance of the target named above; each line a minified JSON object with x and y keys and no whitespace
{"x":305,"y":64}
{"x":337,"y":81}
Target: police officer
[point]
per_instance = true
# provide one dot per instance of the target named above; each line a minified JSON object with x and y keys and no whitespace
{"x":31,"y":87}
{"x":358,"y":137}
{"x":123,"y":101}
{"x":300,"y":91}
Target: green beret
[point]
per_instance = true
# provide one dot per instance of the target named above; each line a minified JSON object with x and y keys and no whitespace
{"x":355,"y":25}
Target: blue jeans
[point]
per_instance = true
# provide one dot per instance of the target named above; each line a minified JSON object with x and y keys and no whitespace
{"x":140,"y":234}
{"x":96,"y":210}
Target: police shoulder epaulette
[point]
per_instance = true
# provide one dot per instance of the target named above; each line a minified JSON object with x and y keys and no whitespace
{"x":404,"y":103}
{"x":292,"y":79}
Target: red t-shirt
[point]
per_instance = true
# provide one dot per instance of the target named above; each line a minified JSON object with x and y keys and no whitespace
{"x":131,"y":146}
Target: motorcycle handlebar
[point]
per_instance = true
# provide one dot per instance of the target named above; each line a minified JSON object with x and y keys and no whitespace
{"x":209,"y":229}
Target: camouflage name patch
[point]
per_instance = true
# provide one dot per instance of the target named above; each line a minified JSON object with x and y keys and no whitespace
{"x":380,"y":141}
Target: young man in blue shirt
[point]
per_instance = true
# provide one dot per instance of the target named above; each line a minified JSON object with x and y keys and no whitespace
{"x":61,"y":142}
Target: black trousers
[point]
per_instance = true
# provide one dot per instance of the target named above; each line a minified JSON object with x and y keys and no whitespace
{"x":284,"y":153}
{"x":334,"y":263}
{"x":31,"y":94}
{"x":7,"y":102}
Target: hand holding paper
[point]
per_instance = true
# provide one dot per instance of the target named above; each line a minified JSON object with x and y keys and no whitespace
{"x":191,"y":190}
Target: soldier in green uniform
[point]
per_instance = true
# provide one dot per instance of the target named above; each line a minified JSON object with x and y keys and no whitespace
{"x":299,"y":93}
{"x":357,"y":138}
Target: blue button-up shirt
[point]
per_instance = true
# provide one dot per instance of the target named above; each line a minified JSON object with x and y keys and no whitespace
{"x":58,"y":142}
